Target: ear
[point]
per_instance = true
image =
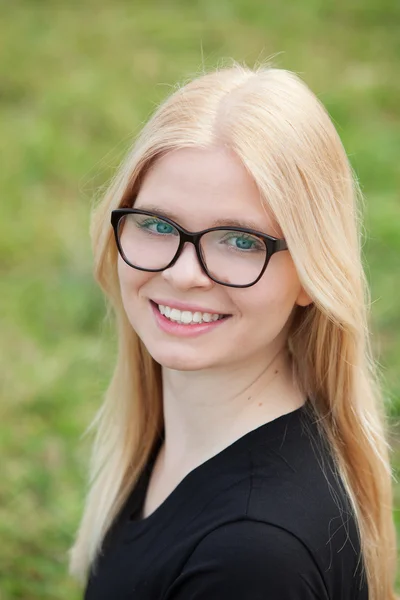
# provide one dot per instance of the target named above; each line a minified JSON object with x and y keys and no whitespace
{"x":303,"y":299}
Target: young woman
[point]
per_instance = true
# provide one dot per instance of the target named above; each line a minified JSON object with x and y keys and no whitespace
{"x":241,"y":450}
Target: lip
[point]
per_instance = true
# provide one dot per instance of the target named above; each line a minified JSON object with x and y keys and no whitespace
{"x":183,"y":330}
{"x":185,"y":306}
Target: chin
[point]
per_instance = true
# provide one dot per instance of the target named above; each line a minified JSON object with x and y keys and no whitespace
{"x":180,"y":359}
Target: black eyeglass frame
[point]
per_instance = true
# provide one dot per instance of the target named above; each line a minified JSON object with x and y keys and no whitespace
{"x":272,"y":244}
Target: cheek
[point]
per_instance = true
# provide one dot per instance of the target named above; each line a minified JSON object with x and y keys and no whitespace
{"x":127,"y":278}
{"x":268,"y":305}
{"x":131,"y":281}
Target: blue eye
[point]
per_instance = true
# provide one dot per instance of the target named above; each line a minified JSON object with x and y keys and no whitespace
{"x":157,"y":226}
{"x":242,"y":241}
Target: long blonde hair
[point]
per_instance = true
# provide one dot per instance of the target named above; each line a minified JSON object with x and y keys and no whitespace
{"x":285,"y":138}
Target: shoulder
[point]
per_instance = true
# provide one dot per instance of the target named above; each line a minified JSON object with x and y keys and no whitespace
{"x":249,"y":560}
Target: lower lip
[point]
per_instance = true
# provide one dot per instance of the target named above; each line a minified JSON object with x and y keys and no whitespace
{"x":183,"y":330}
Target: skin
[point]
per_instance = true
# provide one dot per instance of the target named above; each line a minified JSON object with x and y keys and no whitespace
{"x":226,"y":382}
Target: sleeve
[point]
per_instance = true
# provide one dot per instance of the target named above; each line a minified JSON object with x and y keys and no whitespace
{"x":249,"y":560}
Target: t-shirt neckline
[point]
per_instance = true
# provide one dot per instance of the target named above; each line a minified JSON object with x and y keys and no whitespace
{"x":204,"y":472}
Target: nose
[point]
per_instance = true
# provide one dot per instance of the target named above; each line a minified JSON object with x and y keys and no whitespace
{"x":187,"y":271}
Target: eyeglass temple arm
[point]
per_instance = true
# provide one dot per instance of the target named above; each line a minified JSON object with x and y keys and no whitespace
{"x":281,"y":245}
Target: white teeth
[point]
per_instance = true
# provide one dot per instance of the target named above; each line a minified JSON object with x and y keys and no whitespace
{"x":175,"y":314}
{"x":186,"y":317}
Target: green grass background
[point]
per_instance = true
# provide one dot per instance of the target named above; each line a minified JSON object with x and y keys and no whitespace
{"x":76,"y":84}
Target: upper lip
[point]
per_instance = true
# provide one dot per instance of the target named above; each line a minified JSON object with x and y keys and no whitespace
{"x":186,"y":306}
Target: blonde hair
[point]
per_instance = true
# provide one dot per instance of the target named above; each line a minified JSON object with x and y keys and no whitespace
{"x":285,"y":138}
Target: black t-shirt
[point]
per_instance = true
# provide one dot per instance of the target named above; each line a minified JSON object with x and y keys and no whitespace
{"x":264,"y":519}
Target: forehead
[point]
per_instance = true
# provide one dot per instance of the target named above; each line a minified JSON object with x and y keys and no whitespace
{"x":200,"y":186}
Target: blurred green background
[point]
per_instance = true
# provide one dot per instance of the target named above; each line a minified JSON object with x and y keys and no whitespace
{"x":76,"y":85}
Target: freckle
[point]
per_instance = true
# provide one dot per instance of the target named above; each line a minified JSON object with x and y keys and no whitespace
{"x":260,"y":404}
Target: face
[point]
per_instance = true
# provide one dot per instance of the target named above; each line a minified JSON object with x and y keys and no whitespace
{"x":197,"y":188}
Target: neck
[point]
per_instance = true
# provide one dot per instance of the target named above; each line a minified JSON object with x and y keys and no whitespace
{"x":205,"y":411}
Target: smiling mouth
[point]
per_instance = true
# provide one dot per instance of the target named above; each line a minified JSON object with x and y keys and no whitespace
{"x":187,"y":317}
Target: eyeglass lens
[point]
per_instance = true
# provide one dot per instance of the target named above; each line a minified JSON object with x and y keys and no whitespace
{"x":233,"y":257}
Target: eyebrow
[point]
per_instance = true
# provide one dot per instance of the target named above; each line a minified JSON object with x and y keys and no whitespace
{"x":228,"y":222}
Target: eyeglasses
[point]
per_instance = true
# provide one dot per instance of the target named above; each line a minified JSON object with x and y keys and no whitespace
{"x":232,"y":256}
